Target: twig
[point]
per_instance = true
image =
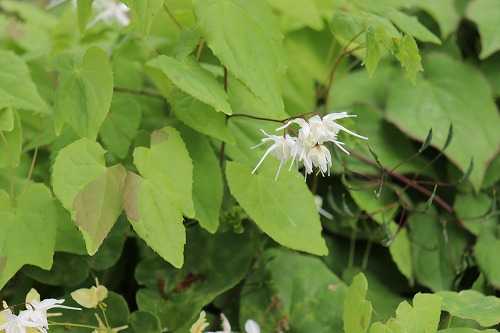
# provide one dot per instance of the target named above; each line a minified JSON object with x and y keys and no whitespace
{"x":345,"y":52}
{"x":411,"y":183}
{"x":138,"y":92}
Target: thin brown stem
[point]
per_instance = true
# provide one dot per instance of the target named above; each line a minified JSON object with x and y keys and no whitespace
{"x":172,"y":17}
{"x":345,"y":52}
{"x":199,"y":49}
{"x":411,"y":183}
{"x":138,"y":92}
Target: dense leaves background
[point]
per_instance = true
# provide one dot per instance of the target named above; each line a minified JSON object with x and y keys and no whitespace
{"x":125,"y":155}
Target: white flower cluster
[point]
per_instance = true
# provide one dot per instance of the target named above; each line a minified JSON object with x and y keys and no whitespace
{"x":108,"y":11}
{"x":201,"y":324}
{"x":34,"y":317}
{"x":309,"y":147}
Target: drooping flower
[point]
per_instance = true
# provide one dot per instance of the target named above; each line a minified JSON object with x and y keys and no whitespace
{"x":282,"y":147}
{"x":309,"y":147}
{"x":36,"y":311}
{"x":111,"y":11}
{"x":318,"y":156}
{"x":108,"y":11}
{"x":251,"y":326}
{"x":11,"y":323}
{"x":318,"y":200}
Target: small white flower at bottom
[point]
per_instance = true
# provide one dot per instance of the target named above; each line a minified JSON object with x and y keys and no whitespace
{"x":36,"y":311}
{"x":16,"y":323}
{"x":283,"y":148}
{"x":318,"y":156}
{"x":318,"y":200}
{"x":251,"y":326}
{"x":111,"y":11}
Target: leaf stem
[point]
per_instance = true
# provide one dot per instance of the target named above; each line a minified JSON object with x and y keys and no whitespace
{"x":30,"y":172}
{"x":172,"y":17}
{"x":138,"y":92}
{"x":73,"y":325}
{"x":199,"y":49}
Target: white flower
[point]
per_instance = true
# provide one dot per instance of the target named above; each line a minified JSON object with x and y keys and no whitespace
{"x":318,"y":200}
{"x":36,"y":311}
{"x":108,"y":11}
{"x":15,"y":324}
{"x":111,"y":11}
{"x":251,"y":326}
{"x":318,"y":156}
{"x":283,"y":148}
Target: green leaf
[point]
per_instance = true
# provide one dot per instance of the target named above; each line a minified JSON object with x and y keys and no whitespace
{"x":143,"y":13}
{"x":473,"y":210}
{"x":83,"y":97}
{"x":465,"y":330}
{"x":200,"y":117}
{"x":244,"y":101}
{"x":382,"y":135}
{"x":297,"y":14}
{"x":145,"y":322}
{"x":408,"y":55}
{"x":400,"y":249}
{"x":84,"y":12}
{"x":470,"y":304}
{"x":17,"y":89}
{"x":436,"y":101}
{"x":486,"y":253}
{"x":111,"y":249}
{"x":422,"y":317}
{"x":251,"y":50}
{"x":374,"y":51}
{"x":208,"y":184}
{"x":411,"y":26}
{"x":436,"y":249}
{"x":116,"y":308}
{"x":6,"y":119}
{"x":68,"y":239}
{"x":74,"y":168}
{"x":444,"y":12}
{"x":357,"y":310}
{"x":121,"y":125}
{"x":27,"y":230}
{"x":380,"y":328}
{"x":68,"y":270}
{"x":214,"y":265}
{"x":155,"y":218}
{"x":168,"y":164}
{"x":11,"y":144}
{"x":486,"y":14}
{"x":98,"y":205}
{"x":194,"y":80}
{"x":284,"y":292}
{"x":283,"y":209}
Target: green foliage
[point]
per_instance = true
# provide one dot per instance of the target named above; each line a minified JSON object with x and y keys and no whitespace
{"x":289,"y":215}
{"x":130,"y":136}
